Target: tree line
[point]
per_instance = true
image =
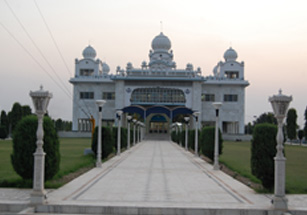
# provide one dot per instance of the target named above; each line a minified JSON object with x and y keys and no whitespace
{"x":8,"y":121}
{"x":291,"y":129}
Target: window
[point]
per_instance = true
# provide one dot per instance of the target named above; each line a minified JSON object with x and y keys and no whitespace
{"x":231,"y":74}
{"x":86,"y":72}
{"x":86,"y":95}
{"x":108,"y":95}
{"x":207,"y":97}
{"x":157,"y":95}
{"x":230,"y":98}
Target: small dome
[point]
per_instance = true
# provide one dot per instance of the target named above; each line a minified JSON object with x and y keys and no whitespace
{"x":105,"y":68}
{"x":89,"y":52}
{"x":230,"y":55}
{"x":161,"y":42}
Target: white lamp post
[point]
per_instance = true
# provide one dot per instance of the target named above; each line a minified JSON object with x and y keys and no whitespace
{"x":41,"y":100}
{"x":128,"y":135}
{"x":186,"y":119}
{"x":100,"y":104}
{"x":216,"y":165}
{"x":280,"y":104}
{"x":134,"y":124}
{"x":119,"y":114}
{"x":196,"y":115}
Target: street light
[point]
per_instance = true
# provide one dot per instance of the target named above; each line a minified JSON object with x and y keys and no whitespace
{"x":217,"y":106}
{"x":119,"y":114}
{"x":134,"y":124}
{"x":100,"y":104}
{"x":40,"y":100}
{"x":186,"y":119}
{"x":280,"y":104}
{"x":129,"y":119}
{"x":196,"y":115}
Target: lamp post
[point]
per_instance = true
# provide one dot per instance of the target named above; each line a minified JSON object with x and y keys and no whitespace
{"x":216,"y":165}
{"x":128,"y":135}
{"x":280,"y":104}
{"x":196,"y":115}
{"x":100,"y":104}
{"x":40,"y":100}
{"x":186,"y":119}
{"x":119,"y":114}
{"x":134,"y":124}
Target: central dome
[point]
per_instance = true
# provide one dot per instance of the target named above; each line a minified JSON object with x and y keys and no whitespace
{"x":230,"y":55}
{"x":161,"y":42}
{"x":89,"y":52}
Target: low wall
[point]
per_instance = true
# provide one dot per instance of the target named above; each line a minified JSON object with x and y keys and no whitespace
{"x":74,"y":134}
{"x":237,"y":137}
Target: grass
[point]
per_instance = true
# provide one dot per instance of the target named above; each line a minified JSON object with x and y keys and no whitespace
{"x":236,"y":156}
{"x":72,"y":159}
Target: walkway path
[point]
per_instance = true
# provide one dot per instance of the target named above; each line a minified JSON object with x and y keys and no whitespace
{"x":159,"y":177}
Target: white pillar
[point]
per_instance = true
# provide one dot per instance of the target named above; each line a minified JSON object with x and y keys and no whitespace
{"x":280,"y":201}
{"x":128,"y":134}
{"x":38,"y":194}
{"x":98,"y":162}
{"x":216,"y":165}
{"x":119,"y":115}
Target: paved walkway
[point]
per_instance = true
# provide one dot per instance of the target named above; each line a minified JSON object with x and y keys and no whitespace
{"x":158,"y":174}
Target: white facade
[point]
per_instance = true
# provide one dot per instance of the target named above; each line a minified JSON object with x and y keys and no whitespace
{"x":158,"y":91}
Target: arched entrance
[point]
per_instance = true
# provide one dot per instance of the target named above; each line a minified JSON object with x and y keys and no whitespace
{"x":158,"y":123}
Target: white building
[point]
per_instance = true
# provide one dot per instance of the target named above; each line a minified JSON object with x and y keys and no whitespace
{"x":158,"y":93}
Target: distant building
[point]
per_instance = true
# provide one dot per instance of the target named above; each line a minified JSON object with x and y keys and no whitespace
{"x":158,"y":92}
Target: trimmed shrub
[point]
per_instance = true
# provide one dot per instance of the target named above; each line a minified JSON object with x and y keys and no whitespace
{"x":263,"y":151}
{"x":123,"y":137}
{"x":107,"y":142}
{"x":191,"y":139}
{"x":206,"y":141}
{"x":24,"y":145}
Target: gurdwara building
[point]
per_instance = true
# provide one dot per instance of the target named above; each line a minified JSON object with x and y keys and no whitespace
{"x":158,"y":93}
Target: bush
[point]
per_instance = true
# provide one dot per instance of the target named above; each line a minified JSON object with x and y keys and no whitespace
{"x":263,"y":151}
{"x":24,"y":145}
{"x":191,"y":139}
{"x":123,"y":137}
{"x":207,"y":139}
{"x":3,"y":132}
{"x":107,"y":142}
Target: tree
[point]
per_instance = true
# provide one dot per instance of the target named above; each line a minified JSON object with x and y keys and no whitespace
{"x":291,"y":124}
{"x":263,"y":151}
{"x":266,"y":118}
{"x":305,"y":127}
{"x":15,"y":115}
{"x":24,"y":145}
{"x":4,"y":122}
{"x":26,"y":110}
{"x":300,"y":135}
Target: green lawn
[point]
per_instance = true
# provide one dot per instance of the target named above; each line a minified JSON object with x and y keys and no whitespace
{"x":72,"y":159}
{"x":236,"y":155}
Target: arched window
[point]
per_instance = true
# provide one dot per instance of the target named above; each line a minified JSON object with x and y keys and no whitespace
{"x":166,"y":96}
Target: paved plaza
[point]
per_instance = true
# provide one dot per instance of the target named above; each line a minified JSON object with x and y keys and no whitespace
{"x":157,"y":177}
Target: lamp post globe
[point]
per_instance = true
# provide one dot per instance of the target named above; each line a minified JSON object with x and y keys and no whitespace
{"x":40,"y":100}
{"x":100,"y":104}
{"x":280,"y":104}
{"x":217,"y":106}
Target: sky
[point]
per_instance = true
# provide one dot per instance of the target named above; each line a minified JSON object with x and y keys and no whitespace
{"x":269,"y":36}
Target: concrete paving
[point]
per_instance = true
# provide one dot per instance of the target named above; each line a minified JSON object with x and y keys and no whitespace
{"x":160,"y":177}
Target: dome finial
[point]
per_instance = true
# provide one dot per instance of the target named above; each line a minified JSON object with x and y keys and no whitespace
{"x":161,"y":26}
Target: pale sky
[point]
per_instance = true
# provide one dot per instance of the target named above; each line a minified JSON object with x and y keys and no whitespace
{"x":269,"y":36}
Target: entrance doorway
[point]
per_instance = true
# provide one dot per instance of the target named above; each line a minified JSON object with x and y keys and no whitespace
{"x":158,"y":124}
